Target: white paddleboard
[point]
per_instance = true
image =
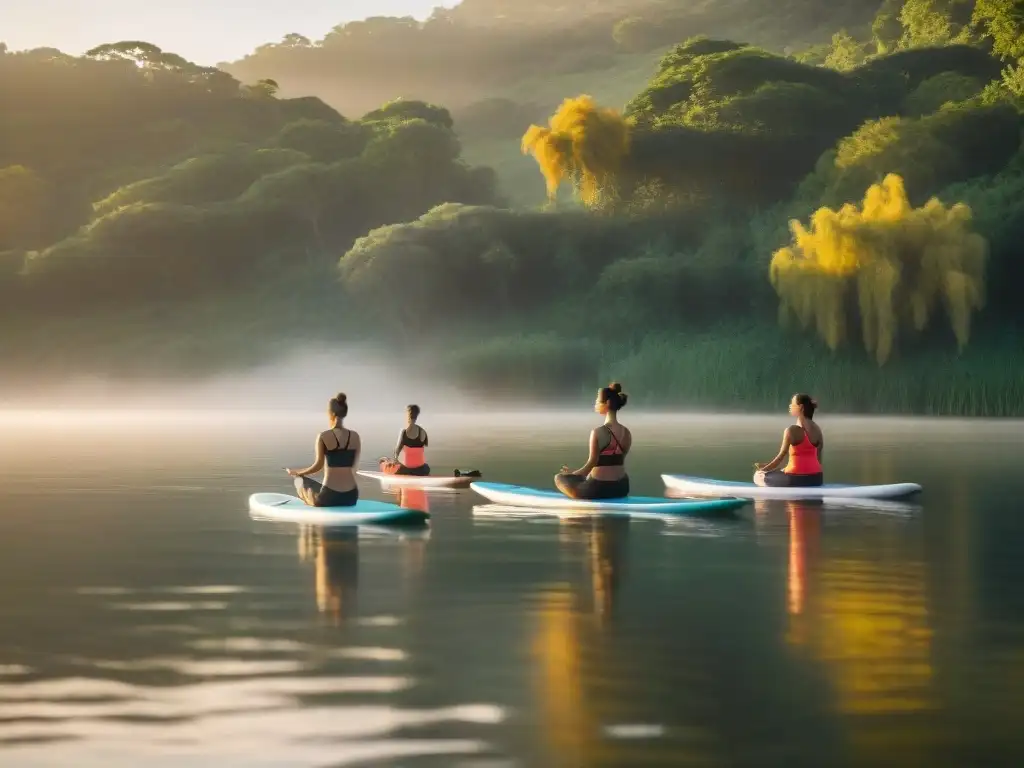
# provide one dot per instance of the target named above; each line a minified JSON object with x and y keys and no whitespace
{"x":420,"y":481}
{"x":705,"y":486}
{"x":509,"y":512}
{"x":519,"y":496}
{"x":279,"y":506}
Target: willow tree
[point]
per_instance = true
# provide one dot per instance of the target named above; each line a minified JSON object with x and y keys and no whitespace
{"x":885,"y":261}
{"x":584,"y":144}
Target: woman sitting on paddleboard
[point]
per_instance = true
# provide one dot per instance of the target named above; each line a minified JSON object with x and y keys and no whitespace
{"x":803,"y":442}
{"x":604,"y":475}
{"x":338,"y":449}
{"x":409,"y":459}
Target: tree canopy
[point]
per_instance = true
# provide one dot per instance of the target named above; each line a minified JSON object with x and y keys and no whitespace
{"x":126,"y":175}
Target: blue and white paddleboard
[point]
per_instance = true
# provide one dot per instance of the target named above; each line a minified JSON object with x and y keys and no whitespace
{"x":704,"y":486}
{"x":290,"y":509}
{"x":519,"y":496}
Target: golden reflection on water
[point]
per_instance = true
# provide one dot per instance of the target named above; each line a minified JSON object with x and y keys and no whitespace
{"x":569,"y":722}
{"x":605,"y":541}
{"x":865,"y":618}
{"x":572,"y":728}
{"x":582,"y":687}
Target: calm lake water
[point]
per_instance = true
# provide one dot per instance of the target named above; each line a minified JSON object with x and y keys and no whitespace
{"x":148,"y":621}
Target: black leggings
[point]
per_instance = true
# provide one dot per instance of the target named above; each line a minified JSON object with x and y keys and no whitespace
{"x":587,"y":488}
{"x":421,"y":471}
{"x":780,"y":479}
{"x":327,"y":497}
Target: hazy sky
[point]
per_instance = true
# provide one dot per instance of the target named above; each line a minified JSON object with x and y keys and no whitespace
{"x":204,"y":31}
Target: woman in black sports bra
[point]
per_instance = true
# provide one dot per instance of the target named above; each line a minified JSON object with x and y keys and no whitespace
{"x":337,"y":453}
{"x":604,"y":475}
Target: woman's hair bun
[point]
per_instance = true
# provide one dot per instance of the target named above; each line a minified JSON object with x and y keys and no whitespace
{"x":614,"y":395}
{"x":341,"y":397}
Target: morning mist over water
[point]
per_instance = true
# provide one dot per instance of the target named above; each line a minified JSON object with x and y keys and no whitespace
{"x":300,"y":380}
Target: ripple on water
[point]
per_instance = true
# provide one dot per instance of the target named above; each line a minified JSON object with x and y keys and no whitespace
{"x":371,"y":654}
{"x":250,"y":645}
{"x":169,"y":606}
{"x":254,"y":722}
{"x":204,"y":668}
{"x":212,"y":589}
{"x":634,"y":731}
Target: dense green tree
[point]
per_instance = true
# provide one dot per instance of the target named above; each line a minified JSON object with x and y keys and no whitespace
{"x":935,"y":92}
{"x":294,"y":40}
{"x":846,"y":53}
{"x":24,"y":197}
{"x":929,"y":153}
{"x":1002,"y":21}
{"x":324,"y":141}
{"x":204,"y":179}
{"x":401,"y":110}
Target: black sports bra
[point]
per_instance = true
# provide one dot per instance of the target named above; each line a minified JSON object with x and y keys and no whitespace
{"x":613,"y":455}
{"x":415,"y":442}
{"x":340,"y":457}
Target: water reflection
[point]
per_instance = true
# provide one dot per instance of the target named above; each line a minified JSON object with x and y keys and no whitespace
{"x":335,"y":556}
{"x":334,"y":553}
{"x":606,"y":540}
{"x":860,"y":611}
{"x":804,"y":540}
{"x":569,"y":657}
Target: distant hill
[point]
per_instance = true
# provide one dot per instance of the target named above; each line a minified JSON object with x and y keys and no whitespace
{"x":486,"y":48}
{"x":499,"y":65}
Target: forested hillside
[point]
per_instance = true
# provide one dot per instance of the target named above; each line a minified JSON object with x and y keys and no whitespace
{"x":132,"y":179}
{"x":859,"y":178}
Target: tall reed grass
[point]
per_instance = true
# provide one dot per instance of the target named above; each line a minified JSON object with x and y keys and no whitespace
{"x":752,"y":369}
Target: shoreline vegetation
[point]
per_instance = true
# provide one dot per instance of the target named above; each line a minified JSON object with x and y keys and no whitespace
{"x":746,"y":370}
{"x":744,"y":199}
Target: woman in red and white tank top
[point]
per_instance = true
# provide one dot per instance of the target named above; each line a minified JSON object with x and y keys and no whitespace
{"x":803,"y":442}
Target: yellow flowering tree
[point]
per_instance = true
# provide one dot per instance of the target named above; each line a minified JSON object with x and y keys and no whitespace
{"x":585,"y":144}
{"x":886,"y":262}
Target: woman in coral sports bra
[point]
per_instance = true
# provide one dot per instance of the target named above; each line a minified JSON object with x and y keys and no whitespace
{"x":803,"y":443}
{"x":604,"y":475}
{"x":409,"y":453}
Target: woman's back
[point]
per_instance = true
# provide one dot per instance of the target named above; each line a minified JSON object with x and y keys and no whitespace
{"x":613,"y":444}
{"x":604,"y":475}
{"x":804,"y":449}
{"x":414,"y":441}
{"x":341,"y":446}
